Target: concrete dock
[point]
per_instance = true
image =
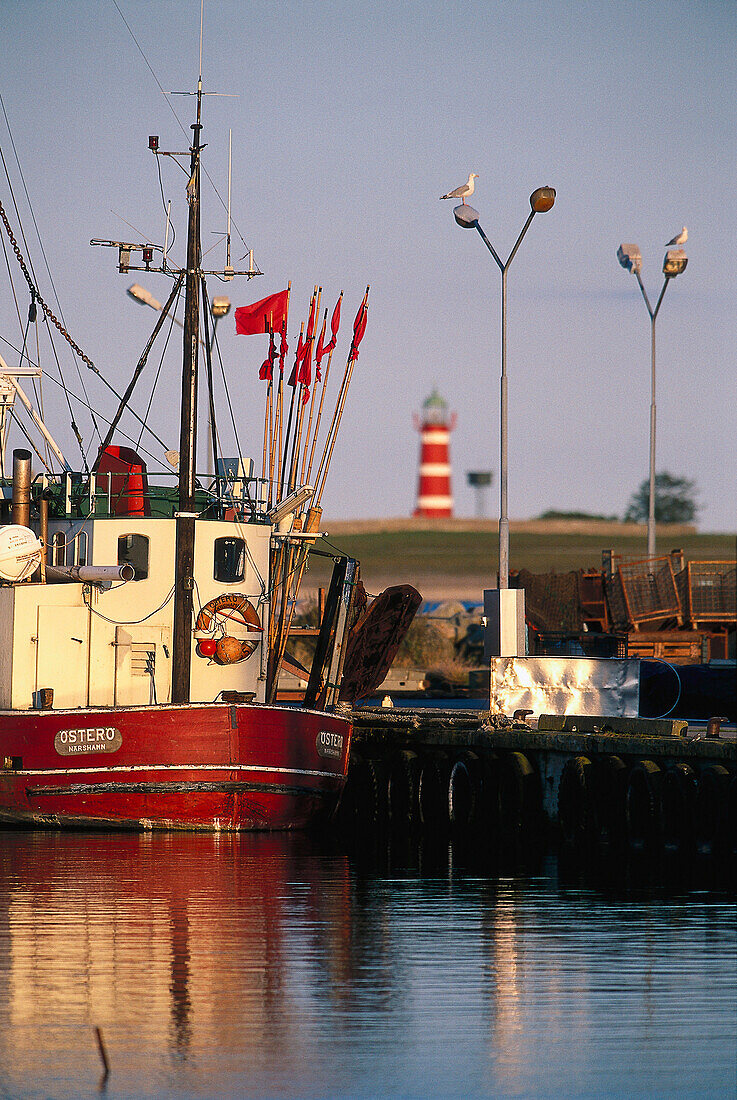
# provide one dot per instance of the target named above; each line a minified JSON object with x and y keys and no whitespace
{"x":655,"y":785}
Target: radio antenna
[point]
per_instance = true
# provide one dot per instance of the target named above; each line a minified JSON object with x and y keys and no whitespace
{"x":202,"y":18}
{"x":228,"y":266}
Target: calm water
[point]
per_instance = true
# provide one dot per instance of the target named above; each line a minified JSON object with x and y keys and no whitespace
{"x":272,"y":966}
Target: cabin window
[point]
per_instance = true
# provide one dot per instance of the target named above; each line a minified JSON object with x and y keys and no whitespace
{"x":58,"y":548}
{"x":230,"y":560}
{"x":80,"y":550}
{"x":133,"y":550}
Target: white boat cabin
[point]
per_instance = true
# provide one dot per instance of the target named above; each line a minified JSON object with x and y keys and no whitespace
{"x":110,"y":643}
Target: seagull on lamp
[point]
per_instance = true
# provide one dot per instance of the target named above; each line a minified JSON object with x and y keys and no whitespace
{"x":680,"y":238}
{"x":464,"y":190}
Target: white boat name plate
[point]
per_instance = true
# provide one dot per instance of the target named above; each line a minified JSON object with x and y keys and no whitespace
{"x":95,"y":739}
{"x":329,"y":744}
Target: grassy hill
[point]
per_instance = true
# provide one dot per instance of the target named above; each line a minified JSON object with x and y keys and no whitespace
{"x":459,"y":558}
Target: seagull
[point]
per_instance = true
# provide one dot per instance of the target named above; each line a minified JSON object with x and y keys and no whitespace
{"x":680,"y":238}
{"x":464,"y":190}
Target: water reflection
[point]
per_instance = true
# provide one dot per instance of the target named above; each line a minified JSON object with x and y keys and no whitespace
{"x":276,"y":965}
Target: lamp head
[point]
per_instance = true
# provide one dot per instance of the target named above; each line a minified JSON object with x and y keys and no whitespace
{"x":542,"y":199}
{"x":140,"y":294}
{"x":674,"y":263}
{"x":630,"y":258}
{"x":220,"y":307}
{"x":466,"y":216}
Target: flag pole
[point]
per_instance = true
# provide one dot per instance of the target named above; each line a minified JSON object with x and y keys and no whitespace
{"x":301,"y":413}
{"x":312,"y":405}
{"x":322,"y":395}
{"x":267,"y":420}
{"x":283,"y":452}
{"x":277,"y":437}
{"x":340,"y":405}
{"x":276,"y":429}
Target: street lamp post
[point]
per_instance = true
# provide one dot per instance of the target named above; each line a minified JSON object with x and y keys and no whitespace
{"x":674,"y":263}
{"x":541,"y":201}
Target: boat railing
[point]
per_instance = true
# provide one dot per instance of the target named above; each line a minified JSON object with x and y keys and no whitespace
{"x":113,"y":494}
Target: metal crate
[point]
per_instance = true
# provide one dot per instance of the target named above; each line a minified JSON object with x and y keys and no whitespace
{"x":649,"y":591}
{"x":708,"y":591}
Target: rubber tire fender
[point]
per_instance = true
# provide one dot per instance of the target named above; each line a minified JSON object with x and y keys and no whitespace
{"x":611,"y":796}
{"x":518,"y":801}
{"x":403,"y":790}
{"x":711,"y":809}
{"x":644,"y":806}
{"x":464,"y":792}
{"x":577,"y":814}
{"x":679,"y":789}
{"x":433,"y":792}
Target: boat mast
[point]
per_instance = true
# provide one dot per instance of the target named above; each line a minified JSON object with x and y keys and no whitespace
{"x":185,"y":518}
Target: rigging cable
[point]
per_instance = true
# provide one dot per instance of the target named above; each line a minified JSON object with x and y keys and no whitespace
{"x":50,"y":317}
{"x":227,"y":395}
{"x":179,"y":122}
{"x":157,"y":375}
{"x":25,"y":433}
{"x":41,"y":245}
{"x":81,"y":401}
{"x":75,"y":347}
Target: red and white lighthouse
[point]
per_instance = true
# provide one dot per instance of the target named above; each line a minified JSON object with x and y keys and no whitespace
{"x":434,"y":496}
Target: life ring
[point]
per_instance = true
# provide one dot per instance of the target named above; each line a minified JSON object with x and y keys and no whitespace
{"x":210,"y":628}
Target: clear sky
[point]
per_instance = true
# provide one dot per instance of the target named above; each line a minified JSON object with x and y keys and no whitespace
{"x":351,"y":119}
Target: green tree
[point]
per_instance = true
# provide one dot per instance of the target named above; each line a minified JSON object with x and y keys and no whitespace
{"x":675,"y":500}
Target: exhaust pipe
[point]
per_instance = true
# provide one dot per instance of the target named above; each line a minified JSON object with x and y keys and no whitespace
{"x":90,"y":574}
{"x":21,"y":508}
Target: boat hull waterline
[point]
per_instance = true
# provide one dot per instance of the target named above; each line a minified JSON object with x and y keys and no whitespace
{"x":208,"y":766}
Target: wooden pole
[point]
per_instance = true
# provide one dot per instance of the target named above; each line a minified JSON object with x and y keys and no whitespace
{"x":332,"y":429}
{"x":267,"y":420}
{"x":292,"y":563}
{"x":276,"y":439}
{"x":312,"y":407}
{"x":314,"y":306}
{"x":322,"y":399}
{"x":276,"y":431}
{"x":283,"y":452}
{"x":317,"y":421}
{"x":338,"y":414}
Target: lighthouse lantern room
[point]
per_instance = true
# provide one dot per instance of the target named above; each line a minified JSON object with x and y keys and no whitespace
{"x":434,"y":497}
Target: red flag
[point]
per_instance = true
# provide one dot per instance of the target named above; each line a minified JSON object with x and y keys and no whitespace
{"x":359,"y":326}
{"x":334,"y":326}
{"x":270,"y":312}
{"x":320,"y":350}
{"x":299,"y":356}
{"x":313,"y":318}
{"x":283,"y":347}
{"x":305,"y":371}
{"x":305,"y":367}
{"x":266,"y":373}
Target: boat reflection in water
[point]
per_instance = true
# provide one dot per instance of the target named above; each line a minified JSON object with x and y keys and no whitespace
{"x":145,"y":934}
{"x":265,"y":964}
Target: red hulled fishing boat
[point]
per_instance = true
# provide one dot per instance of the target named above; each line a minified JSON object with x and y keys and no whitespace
{"x":143,"y":626}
